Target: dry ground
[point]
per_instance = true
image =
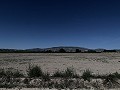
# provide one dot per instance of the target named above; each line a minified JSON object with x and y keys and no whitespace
{"x":51,"y":89}
{"x":97,"y":62}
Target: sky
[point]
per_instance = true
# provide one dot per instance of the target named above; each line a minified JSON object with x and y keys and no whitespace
{"x":47,"y":23}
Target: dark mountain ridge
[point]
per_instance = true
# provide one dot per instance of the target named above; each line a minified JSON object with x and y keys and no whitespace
{"x":57,"y":49}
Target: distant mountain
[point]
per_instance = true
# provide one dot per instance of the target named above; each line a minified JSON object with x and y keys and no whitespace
{"x":34,"y":49}
{"x":7,"y":50}
{"x":57,"y":49}
{"x":66,"y":48}
{"x":99,"y":50}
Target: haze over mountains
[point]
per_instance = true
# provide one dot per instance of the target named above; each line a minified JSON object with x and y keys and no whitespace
{"x":57,"y":49}
{"x":66,"y":48}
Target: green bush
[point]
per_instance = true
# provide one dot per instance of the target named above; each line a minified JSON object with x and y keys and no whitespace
{"x":46,"y":76}
{"x":26,"y":81}
{"x":111,"y":81}
{"x":17,"y":74}
{"x":35,"y":71}
{"x":87,"y":74}
{"x":117,"y":75}
{"x":68,"y":73}
{"x":2,"y":73}
{"x":58,"y":74}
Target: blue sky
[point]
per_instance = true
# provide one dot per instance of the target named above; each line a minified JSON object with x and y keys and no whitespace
{"x":47,"y":23}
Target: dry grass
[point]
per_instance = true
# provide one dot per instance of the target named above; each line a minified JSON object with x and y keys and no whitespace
{"x":50,"y":62}
{"x":99,"y":63}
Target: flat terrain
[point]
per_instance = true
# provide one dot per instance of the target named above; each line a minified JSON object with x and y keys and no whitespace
{"x":50,"y":89}
{"x":101,"y":63}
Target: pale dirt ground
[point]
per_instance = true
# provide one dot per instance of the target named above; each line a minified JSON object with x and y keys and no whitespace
{"x":101,"y":63}
{"x":52,"y":89}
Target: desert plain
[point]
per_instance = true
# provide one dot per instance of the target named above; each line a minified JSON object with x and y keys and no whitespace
{"x":97,"y":63}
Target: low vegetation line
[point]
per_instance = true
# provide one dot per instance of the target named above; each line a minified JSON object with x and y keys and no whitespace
{"x":68,"y":78}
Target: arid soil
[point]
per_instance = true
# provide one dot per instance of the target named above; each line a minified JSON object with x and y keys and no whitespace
{"x":50,"y":89}
{"x":98,"y":63}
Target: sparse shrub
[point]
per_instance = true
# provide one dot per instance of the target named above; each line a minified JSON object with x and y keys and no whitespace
{"x":99,"y":76}
{"x":87,"y":74}
{"x":68,"y":79}
{"x":65,"y":83}
{"x":35,"y":71}
{"x":2,"y":73}
{"x":111,"y":81}
{"x":26,"y":81}
{"x":17,"y":74}
{"x":69,"y":72}
{"x":58,"y":74}
{"x":117,"y":75}
{"x":46,"y":76}
{"x":97,"y":85}
{"x":9,"y":73}
{"x":6,"y":85}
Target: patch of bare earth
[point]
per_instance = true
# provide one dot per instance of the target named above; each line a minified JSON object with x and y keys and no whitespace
{"x":101,"y":63}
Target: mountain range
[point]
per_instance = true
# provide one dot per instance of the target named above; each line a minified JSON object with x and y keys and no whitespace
{"x":56,"y":49}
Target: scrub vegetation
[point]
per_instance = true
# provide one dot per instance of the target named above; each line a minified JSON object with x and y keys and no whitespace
{"x":67,"y":79}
